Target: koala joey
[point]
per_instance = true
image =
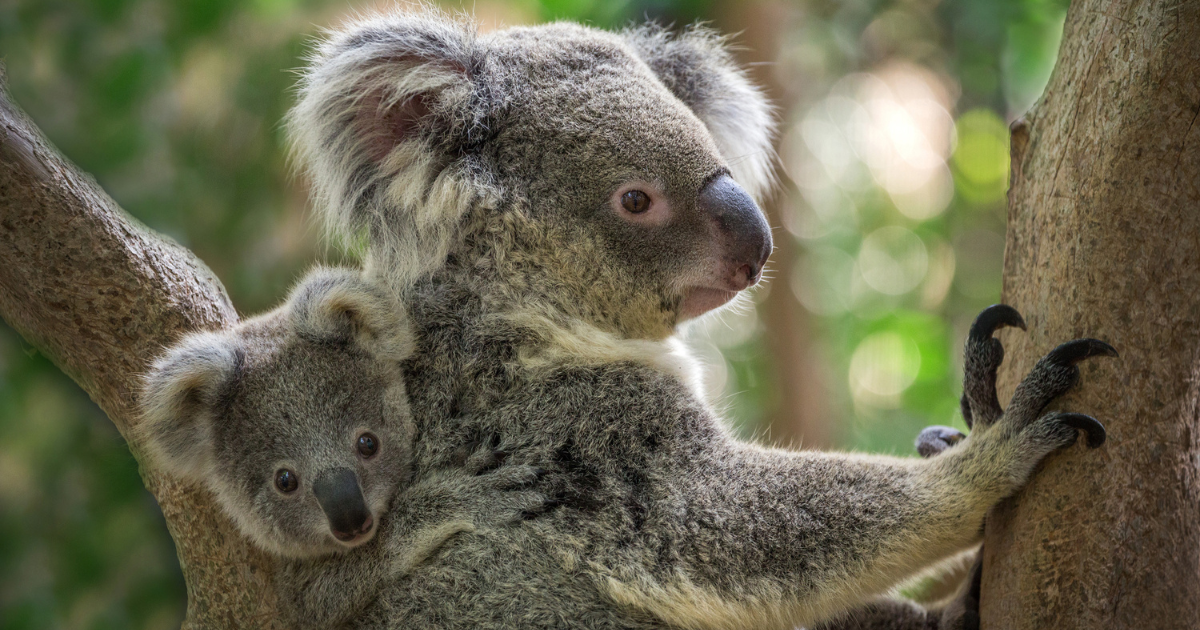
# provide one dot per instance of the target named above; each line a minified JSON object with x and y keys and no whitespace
{"x":298,"y":421}
{"x":552,"y":203}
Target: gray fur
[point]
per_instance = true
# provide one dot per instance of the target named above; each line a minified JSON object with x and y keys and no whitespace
{"x":545,"y":317}
{"x":293,"y":388}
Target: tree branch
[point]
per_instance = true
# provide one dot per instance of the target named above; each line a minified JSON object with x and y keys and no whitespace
{"x":101,"y":295}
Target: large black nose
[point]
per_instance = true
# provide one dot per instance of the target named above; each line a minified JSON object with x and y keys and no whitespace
{"x":742,"y":225}
{"x":342,"y":501}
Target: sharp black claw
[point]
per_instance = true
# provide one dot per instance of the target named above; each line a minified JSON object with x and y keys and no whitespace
{"x":994,"y":317}
{"x":1073,"y":352}
{"x":1089,"y":425}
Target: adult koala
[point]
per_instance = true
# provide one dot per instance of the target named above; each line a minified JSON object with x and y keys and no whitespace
{"x":552,"y":202}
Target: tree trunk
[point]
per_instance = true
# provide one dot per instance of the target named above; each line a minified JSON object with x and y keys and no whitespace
{"x":1104,"y":241}
{"x":101,"y":295}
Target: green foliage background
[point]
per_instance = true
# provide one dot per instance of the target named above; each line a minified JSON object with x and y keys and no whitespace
{"x":174,"y":106}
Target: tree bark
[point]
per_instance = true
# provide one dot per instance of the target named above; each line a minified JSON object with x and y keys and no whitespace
{"x":1104,"y":241}
{"x":101,"y":295}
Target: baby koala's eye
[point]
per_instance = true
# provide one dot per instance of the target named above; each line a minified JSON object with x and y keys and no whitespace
{"x":635,"y":202}
{"x":286,"y":480}
{"x":368,"y":445}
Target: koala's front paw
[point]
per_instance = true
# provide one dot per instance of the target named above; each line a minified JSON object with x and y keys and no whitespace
{"x":935,"y":439}
{"x":981,"y":358}
{"x":1053,"y":376}
{"x":503,"y":492}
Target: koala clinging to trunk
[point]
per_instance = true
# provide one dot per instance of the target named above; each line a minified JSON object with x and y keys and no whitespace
{"x":297,"y":420}
{"x":551,"y":203}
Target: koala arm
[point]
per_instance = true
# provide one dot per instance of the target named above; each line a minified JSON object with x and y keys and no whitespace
{"x":326,"y":592}
{"x":957,"y":582}
{"x":774,"y":536}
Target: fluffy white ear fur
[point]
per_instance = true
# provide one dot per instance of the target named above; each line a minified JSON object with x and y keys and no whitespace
{"x":178,"y":398}
{"x":340,"y":304}
{"x":697,"y":67}
{"x":382,"y":105}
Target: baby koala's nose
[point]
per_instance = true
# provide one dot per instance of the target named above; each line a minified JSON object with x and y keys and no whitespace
{"x":362,"y":529}
{"x":341,"y":499}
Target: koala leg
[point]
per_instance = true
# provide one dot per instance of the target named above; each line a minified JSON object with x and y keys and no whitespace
{"x":484,"y":492}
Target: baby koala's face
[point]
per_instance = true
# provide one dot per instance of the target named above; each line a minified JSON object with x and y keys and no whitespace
{"x":311,"y":444}
{"x":297,"y":419}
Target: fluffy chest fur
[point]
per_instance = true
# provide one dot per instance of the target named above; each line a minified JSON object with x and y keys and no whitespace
{"x":609,"y":436}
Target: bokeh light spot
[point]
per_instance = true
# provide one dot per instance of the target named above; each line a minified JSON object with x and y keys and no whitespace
{"x":882,"y":367}
{"x":893,"y":260}
{"x":981,"y":157}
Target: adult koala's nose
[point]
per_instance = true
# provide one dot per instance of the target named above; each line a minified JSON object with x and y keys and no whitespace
{"x":342,"y":501}
{"x":741,"y":226}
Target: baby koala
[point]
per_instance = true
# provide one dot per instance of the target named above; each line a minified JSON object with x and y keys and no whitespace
{"x":298,"y":421}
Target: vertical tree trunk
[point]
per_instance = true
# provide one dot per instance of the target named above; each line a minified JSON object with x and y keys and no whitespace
{"x":1104,"y":241}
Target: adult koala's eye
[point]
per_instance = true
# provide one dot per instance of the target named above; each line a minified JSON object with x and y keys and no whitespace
{"x":635,"y":201}
{"x":368,"y":445}
{"x":286,"y":480}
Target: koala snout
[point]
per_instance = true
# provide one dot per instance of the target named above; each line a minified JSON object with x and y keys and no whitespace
{"x":341,"y":499}
{"x":742,"y":227}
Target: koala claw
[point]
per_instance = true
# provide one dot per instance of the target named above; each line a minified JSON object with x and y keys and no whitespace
{"x":992,"y":319}
{"x":1073,"y":352}
{"x":982,"y":357}
{"x":1089,"y":425}
{"x":1054,"y":375}
{"x":935,"y":439}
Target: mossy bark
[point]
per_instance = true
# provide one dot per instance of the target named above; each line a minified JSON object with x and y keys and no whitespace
{"x":1104,"y":241}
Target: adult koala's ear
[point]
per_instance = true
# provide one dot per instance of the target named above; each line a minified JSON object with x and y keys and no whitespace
{"x":342,"y":306}
{"x":181,"y":397}
{"x":697,"y":67}
{"x":387,"y":106}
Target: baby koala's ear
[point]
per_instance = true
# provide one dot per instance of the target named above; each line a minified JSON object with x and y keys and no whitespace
{"x":181,"y":395}
{"x":697,"y":67}
{"x":342,"y":305}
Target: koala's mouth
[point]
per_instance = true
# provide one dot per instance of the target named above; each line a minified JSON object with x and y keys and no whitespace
{"x":700,"y":300}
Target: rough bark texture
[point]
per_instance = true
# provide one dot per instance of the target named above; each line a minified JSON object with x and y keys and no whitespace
{"x":1104,"y":241}
{"x":100,"y":295}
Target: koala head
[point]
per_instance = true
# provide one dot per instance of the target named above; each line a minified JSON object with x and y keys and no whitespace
{"x":606,"y":176}
{"x":297,"y":420}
